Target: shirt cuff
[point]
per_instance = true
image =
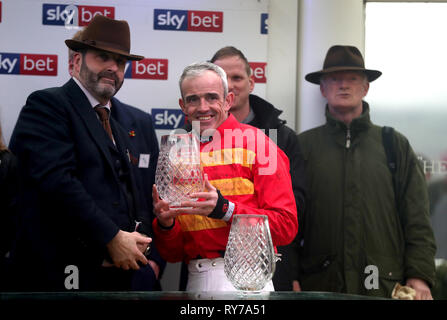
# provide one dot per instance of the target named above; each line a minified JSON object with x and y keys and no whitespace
{"x":229,"y":212}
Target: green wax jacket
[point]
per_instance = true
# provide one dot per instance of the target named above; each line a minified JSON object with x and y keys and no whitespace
{"x":355,"y":240}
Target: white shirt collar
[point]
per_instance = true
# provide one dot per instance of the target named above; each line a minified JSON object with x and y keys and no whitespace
{"x":93,"y":101}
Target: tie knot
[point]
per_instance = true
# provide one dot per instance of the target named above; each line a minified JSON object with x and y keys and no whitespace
{"x":102,"y":112}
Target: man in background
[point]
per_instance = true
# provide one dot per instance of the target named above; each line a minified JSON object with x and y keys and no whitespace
{"x":9,"y":187}
{"x":367,"y":226}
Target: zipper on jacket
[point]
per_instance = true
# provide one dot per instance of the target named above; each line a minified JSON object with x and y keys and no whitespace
{"x":348,"y":138}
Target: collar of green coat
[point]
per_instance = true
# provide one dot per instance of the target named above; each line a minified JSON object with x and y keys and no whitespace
{"x":359,"y":124}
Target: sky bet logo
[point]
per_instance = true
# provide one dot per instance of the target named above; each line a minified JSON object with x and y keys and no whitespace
{"x":156,"y":69}
{"x":168,"y":118}
{"x":28,"y":64}
{"x":264,"y":23}
{"x":72,"y":15}
{"x":183,"y":20}
{"x":258,"y":71}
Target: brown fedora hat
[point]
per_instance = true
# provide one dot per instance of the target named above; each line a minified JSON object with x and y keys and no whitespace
{"x":343,"y":58}
{"x":106,"y":34}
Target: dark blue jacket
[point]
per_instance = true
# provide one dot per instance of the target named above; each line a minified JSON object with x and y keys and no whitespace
{"x":72,"y":201}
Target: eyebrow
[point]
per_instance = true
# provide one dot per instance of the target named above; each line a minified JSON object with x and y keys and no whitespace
{"x":110,"y":55}
{"x":206,"y":95}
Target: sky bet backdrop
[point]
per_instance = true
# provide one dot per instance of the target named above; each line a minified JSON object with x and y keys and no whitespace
{"x":170,"y":34}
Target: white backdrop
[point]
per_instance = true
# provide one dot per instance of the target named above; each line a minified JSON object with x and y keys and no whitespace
{"x":25,"y":30}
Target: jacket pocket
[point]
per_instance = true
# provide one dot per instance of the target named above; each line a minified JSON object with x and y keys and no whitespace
{"x":320,"y":273}
{"x":390,"y":268}
{"x":390,"y":272}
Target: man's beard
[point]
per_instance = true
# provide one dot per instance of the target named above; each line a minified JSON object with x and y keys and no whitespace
{"x":91,"y":82}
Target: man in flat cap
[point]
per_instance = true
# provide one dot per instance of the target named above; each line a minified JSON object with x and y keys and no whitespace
{"x":366,"y":226}
{"x":81,"y":225}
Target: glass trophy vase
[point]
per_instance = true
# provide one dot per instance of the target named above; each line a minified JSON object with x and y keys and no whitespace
{"x":179,"y":172}
{"x":250,"y":260}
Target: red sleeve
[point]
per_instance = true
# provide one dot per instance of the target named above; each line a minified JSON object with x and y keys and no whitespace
{"x":273,"y":189}
{"x":169,"y":242}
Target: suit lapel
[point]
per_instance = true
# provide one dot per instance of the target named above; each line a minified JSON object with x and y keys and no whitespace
{"x":124,"y":118}
{"x":118,"y":132}
{"x":85,"y":111}
{"x":123,"y":144}
{"x":128,"y":123}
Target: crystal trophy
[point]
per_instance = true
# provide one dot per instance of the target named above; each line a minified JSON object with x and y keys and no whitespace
{"x":179,"y":172}
{"x":250,"y":260}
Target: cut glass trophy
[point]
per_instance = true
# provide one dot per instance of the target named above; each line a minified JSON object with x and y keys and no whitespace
{"x":250,"y":260}
{"x":179,"y":172}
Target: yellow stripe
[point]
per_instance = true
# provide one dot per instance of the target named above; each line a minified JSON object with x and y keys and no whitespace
{"x":241,"y":156}
{"x":234,"y":186}
{"x":192,"y":222}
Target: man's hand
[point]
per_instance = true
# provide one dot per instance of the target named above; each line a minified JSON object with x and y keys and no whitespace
{"x":421,"y":287}
{"x":143,"y":248}
{"x":206,"y":205}
{"x":124,"y":249}
{"x":164,"y":214}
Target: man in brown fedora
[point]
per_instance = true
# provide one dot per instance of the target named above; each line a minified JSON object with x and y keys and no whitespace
{"x":82,"y":223}
{"x":139,"y":126}
{"x":366,"y":226}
